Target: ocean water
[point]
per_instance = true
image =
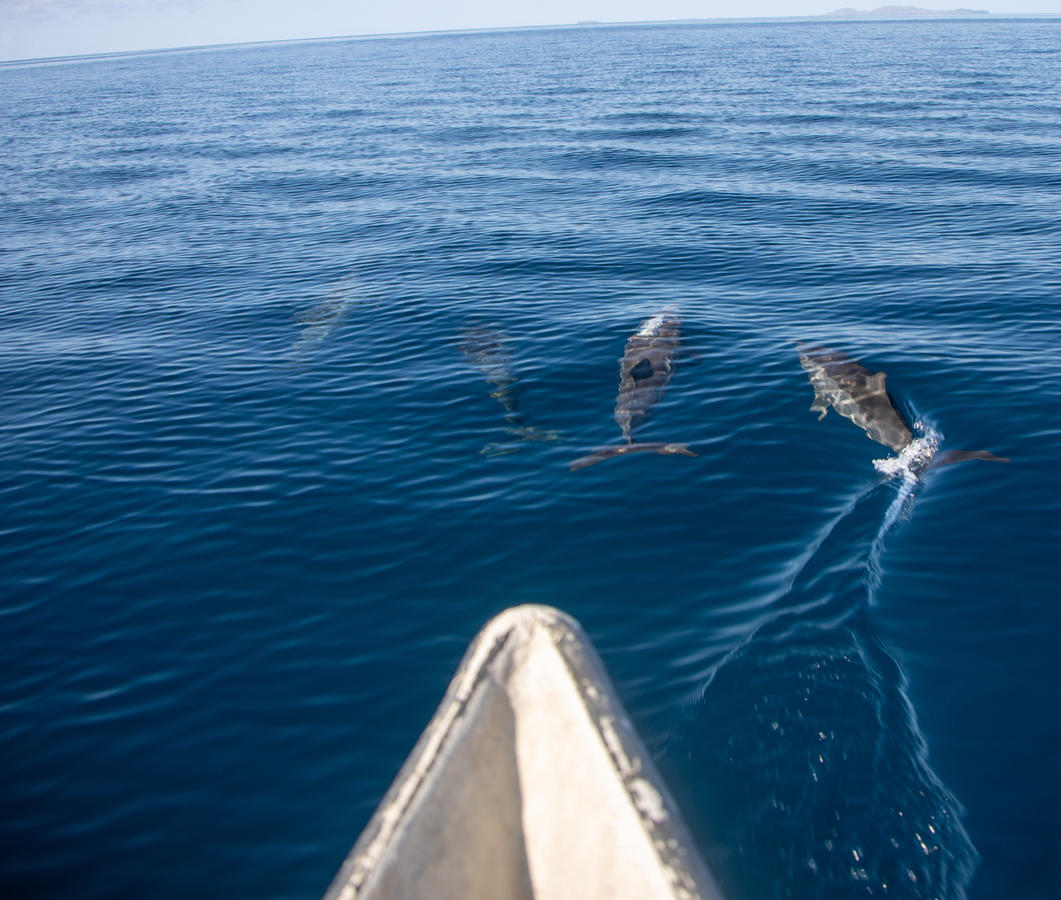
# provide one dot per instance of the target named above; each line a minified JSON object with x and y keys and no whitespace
{"x":300,"y":340}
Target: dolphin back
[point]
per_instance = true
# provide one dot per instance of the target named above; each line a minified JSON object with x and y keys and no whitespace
{"x":645,"y":369}
{"x":604,"y":453}
{"x":856,"y":393}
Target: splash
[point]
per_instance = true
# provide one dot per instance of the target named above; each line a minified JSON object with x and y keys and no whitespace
{"x":915,"y":456}
{"x":907,"y":465}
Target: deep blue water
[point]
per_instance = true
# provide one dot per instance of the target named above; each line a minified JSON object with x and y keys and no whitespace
{"x":248,"y":529}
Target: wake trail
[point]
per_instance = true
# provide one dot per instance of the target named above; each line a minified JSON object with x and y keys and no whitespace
{"x":816,"y":770}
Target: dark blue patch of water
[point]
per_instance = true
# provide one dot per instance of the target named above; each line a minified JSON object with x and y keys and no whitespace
{"x":249,"y":524}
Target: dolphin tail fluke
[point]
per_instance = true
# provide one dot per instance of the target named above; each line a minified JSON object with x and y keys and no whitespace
{"x":956,"y":456}
{"x":532,"y":433}
{"x":520,"y":435}
{"x":501,"y":448}
{"x":620,"y":449}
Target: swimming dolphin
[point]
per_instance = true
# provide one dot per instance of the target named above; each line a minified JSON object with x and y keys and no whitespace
{"x":860,"y":395}
{"x":485,"y":349}
{"x":644,"y":372}
{"x":321,"y":321}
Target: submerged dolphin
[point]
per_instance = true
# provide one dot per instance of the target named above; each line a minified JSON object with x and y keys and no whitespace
{"x":321,"y":321}
{"x":644,"y":372}
{"x":860,"y":395}
{"x":485,"y":349}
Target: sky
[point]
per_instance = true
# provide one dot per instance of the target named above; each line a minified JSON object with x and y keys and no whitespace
{"x":44,"y":28}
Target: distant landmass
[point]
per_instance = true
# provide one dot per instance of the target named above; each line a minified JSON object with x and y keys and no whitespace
{"x":901,"y":12}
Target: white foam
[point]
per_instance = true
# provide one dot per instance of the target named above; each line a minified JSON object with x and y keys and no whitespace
{"x":651,"y":326}
{"x":914,"y":458}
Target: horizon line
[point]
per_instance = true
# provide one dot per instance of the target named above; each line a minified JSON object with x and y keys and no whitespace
{"x":864,"y":16}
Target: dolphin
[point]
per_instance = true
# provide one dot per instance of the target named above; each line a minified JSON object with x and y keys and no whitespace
{"x":644,"y":371}
{"x":320,"y":322}
{"x":485,"y":349}
{"x":862,"y":396}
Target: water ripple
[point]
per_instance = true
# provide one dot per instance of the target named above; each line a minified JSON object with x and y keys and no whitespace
{"x":249,"y":525}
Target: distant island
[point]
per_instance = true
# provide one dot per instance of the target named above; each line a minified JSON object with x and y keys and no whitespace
{"x":901,"y":12}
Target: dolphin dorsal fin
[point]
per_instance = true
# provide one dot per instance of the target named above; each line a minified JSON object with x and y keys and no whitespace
{"x":875,"y":382}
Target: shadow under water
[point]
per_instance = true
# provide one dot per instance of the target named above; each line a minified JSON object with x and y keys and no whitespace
{"x":812,"y":771}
